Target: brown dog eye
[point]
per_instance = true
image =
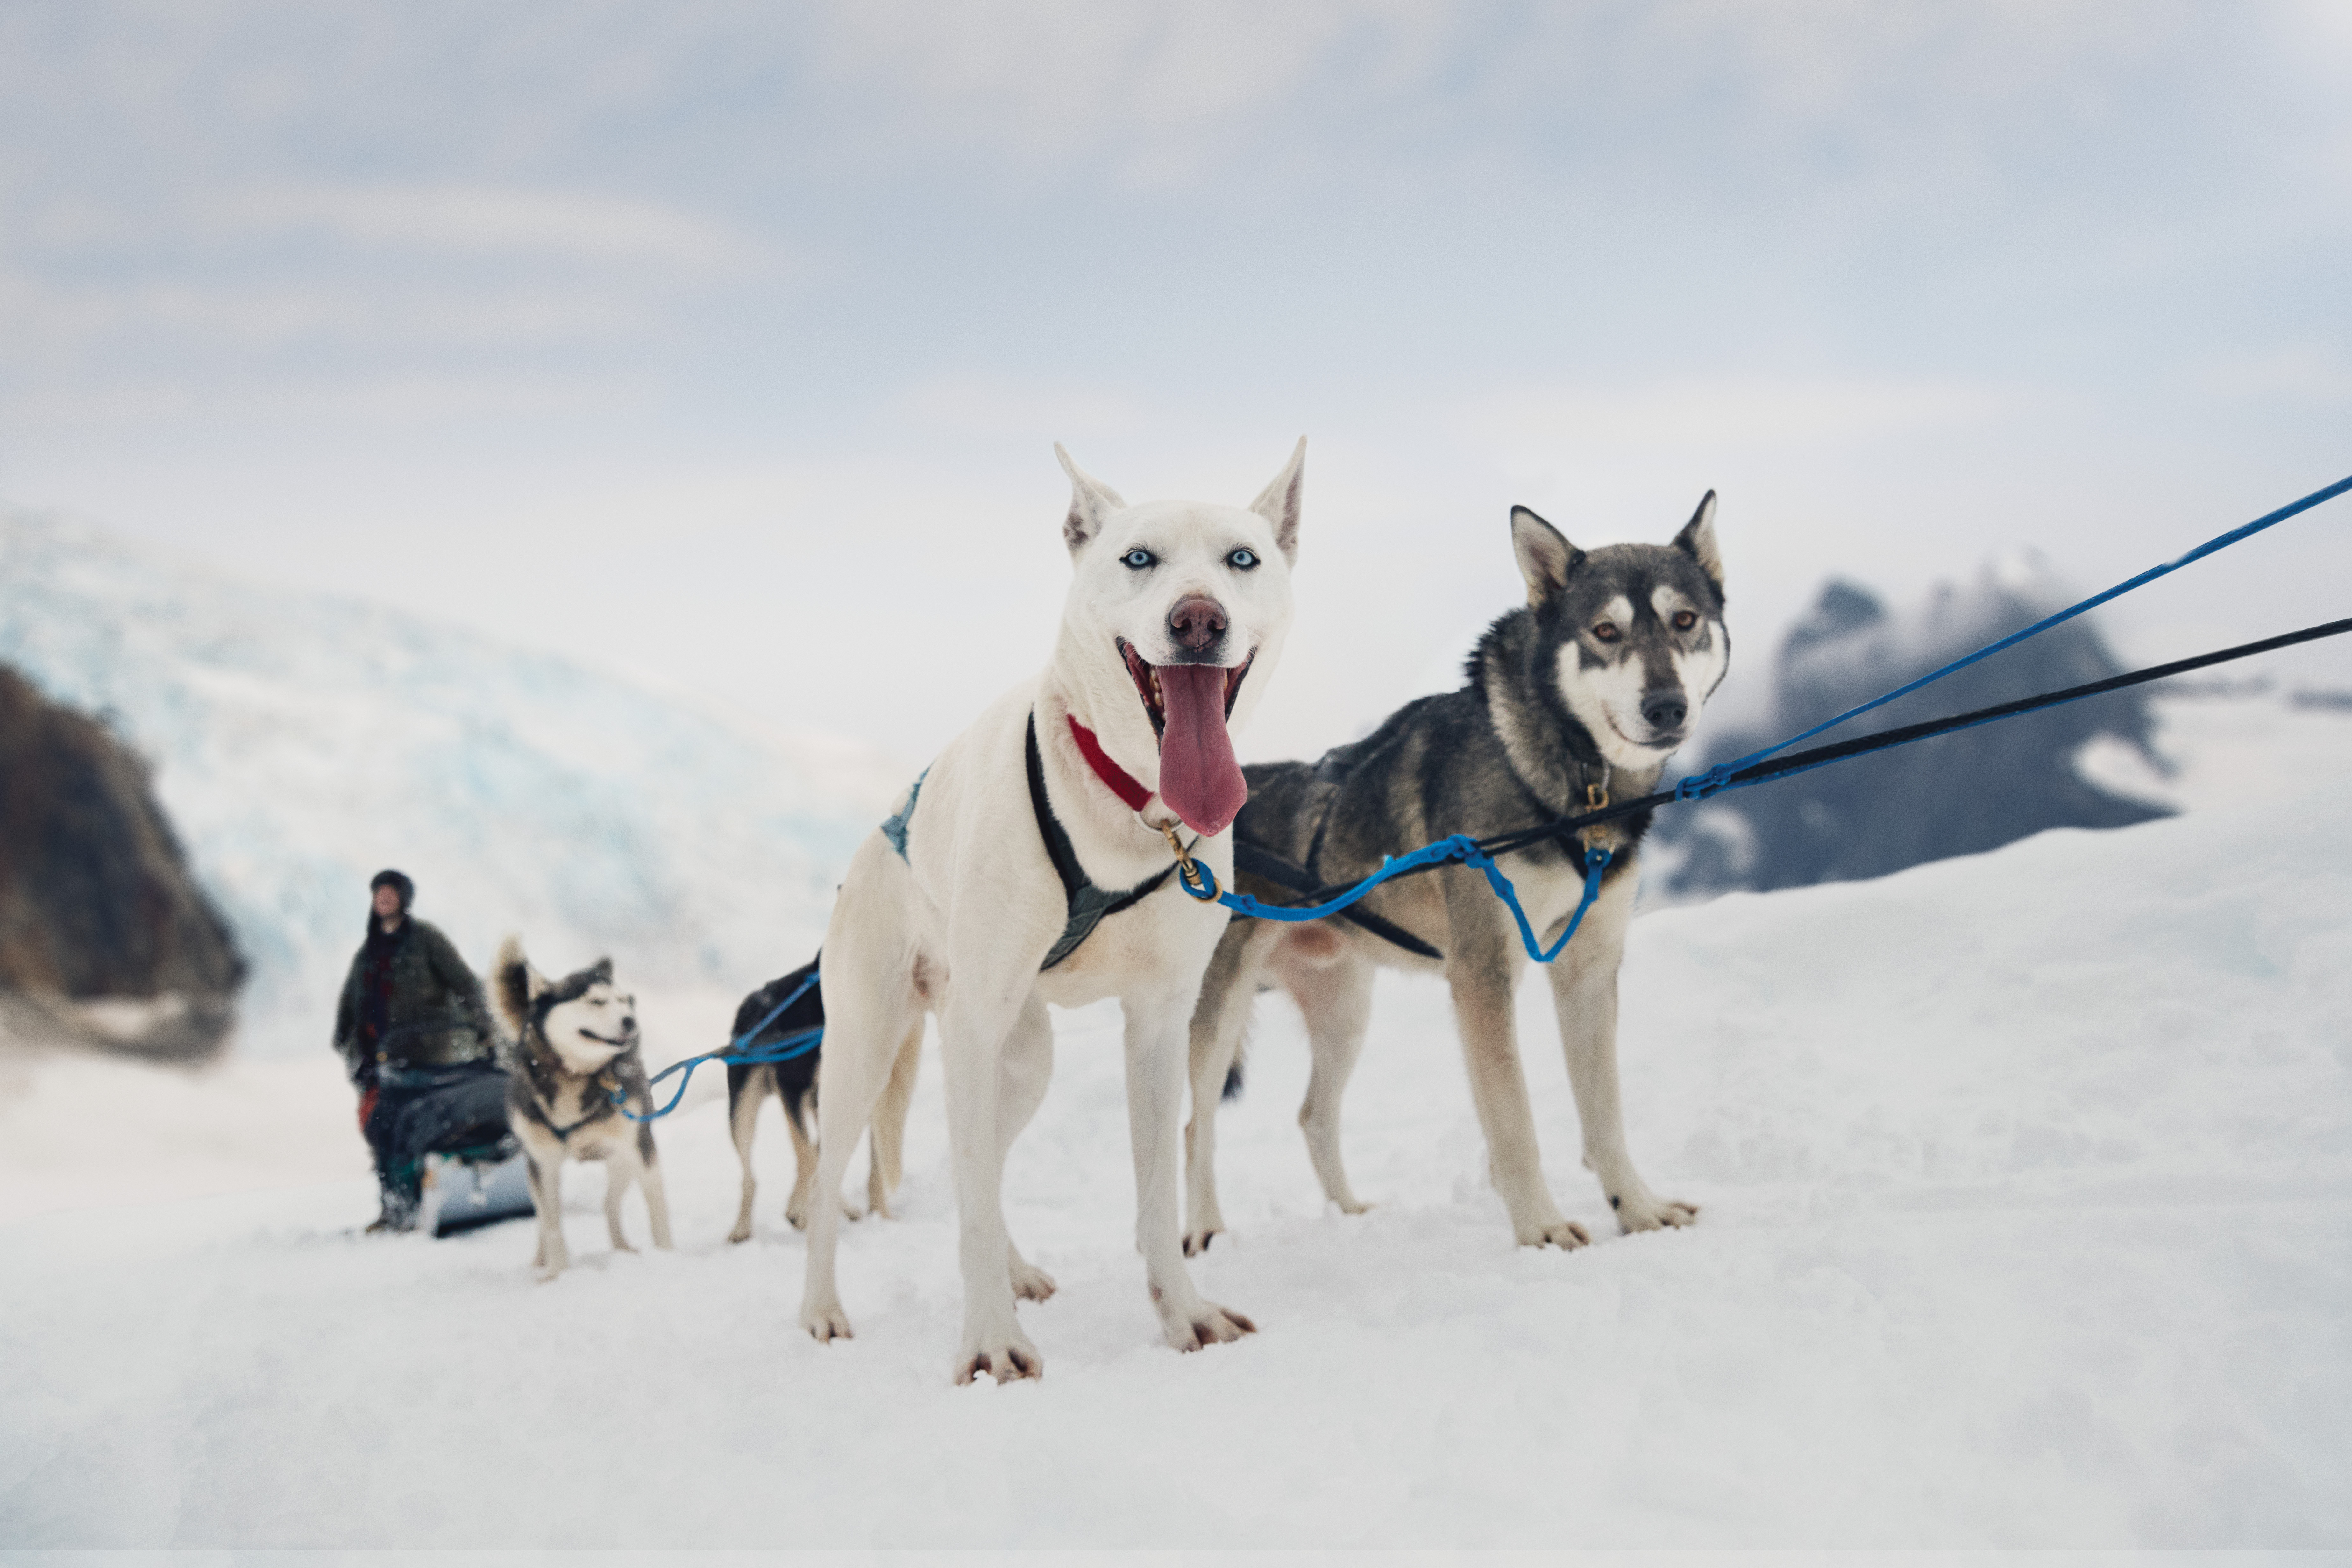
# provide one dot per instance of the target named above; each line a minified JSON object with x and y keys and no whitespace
{"x":1684,"y":620}
{"x":1605,"y":632}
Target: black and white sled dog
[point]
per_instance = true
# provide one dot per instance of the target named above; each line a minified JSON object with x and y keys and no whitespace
{"x":576,"y":1045}
{"x":1032,"y":865}
{"x":794,"y":1083}
{"x":1576,"y":699}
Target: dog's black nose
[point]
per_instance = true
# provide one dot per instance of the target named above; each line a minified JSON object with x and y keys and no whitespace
{"x":1665,"y":709}
{"x":1196,"y":623}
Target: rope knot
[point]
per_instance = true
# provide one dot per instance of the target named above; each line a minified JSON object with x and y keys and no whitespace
{"x":1698,"y":786}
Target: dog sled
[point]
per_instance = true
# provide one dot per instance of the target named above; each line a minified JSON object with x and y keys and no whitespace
{"x":474,"y":1187}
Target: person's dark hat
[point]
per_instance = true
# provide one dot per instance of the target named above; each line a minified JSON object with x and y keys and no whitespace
{"x":399,"y":883}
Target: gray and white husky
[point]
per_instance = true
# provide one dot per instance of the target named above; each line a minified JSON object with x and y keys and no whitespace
{"x":1573,"y":701}
{"x":576,"y":1046}
{"x":1032,"y":865}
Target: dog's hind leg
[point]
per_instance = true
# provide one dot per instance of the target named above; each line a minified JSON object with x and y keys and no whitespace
{"x":744,"y":1120}
{"x":620,"y":1175}
{"x":1584,"y":995}
{"x":870,"y":1003}
{"x":1220,"y":1019}
{"x":1024,"y":1071}
{"x":649,"y":1174}
{"x":886,"y":1136}
{"x":804,"y":1166}
{"x":1335,"y":998}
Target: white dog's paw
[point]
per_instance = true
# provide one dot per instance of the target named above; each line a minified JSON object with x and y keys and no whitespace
{"x":1206,"y":1324}
{"x":1643,"y":1211}
{"x":546,"y":1274}
{"x":826,"y":1323}
{"x":1031,"y":1283}
{"x":1564,"y":1233}
{"x":1196,"y":1242}
{"x":1006,"y":1356}
{"x":620,"y":1246}
{"x":742,"y":1231}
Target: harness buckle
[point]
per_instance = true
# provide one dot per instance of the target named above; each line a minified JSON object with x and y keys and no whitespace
{"x":1187,"y":872}
{"x":1596,"y":798}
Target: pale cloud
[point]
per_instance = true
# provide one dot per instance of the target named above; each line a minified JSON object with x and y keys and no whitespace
{"x":1722,"y":414}
{"x":494,"y":222}
{"x":974,"y":403}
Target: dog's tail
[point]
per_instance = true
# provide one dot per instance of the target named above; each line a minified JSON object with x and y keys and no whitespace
{"x":511,"y":986}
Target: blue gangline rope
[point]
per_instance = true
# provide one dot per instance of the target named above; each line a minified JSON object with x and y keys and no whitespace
{"x":1201,"y":883}
{"x":1460,"y":846}
{"x":1698,"y":786}
{"x":733,"y":1052}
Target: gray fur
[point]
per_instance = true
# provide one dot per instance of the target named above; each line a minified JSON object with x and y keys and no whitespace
{"x":1514,"y":747}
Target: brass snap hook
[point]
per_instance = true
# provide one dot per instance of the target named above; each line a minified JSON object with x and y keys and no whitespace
{"x":1185,"y":867}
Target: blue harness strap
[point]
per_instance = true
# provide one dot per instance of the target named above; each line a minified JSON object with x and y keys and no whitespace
{"x":894,"y":827}
{"x":734,"y":1053}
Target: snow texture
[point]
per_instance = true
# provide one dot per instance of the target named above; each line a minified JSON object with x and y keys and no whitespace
{"x":301,"y":745}
{"x":2028,"y":1222}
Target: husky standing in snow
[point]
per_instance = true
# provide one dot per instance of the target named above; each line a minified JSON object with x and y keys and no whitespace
{"x":576,"y":1047}
{"x":1031,"y":865}
{"x":794,"y":1083}
{"x":1576,"y":699}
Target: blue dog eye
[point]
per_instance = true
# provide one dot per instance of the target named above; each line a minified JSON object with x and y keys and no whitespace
{"x":1137,"y":559}
{"x":1242,"y":560}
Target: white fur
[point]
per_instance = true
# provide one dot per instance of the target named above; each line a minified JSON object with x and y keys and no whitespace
{"x":587,"y":1035}
{"x":959,"y":927}
{"x":1608,"y":702}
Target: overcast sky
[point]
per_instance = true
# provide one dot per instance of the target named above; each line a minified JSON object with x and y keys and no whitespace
{"x":727,"y":344}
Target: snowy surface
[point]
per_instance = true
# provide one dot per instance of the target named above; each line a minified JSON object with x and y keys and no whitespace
{"x":301,"y":743}
{"x":2028,"y":1222}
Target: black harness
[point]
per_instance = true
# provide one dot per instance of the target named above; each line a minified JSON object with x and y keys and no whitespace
{"x":1088,"y":905}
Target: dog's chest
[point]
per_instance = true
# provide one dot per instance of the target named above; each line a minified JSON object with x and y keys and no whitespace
{"x":1148,"y":947}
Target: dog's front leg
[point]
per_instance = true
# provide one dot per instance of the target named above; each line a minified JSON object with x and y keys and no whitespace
{"x":1584,"y":995}
{"x":546,"y":1174}
{"x":1026,"y":1070}
{"x":1156,"y":1042}
{"x":649,"y":1175}
{"x":973,"y":1031}
{"x":1482,"y":968}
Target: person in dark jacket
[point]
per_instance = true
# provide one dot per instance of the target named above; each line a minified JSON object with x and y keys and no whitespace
{"x":415,"y":1032}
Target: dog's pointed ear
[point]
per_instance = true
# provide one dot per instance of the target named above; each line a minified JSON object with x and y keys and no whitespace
{"x":1279,"y":502}
{"x":600,"y":973}
{"x":515,"y":985}
{"x":1697,"y":540}
{"x":1091,"y":503}
{"x":1545,"y":557}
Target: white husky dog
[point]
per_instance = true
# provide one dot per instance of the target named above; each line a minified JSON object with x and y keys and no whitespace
{"x":1031,"y":865}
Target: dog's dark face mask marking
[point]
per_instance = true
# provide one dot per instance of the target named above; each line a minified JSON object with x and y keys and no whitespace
{"x":1633,"y":634}
{"x":586,"y":1018}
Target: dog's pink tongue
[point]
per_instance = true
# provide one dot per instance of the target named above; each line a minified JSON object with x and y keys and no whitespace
{"x":1197,"y":777}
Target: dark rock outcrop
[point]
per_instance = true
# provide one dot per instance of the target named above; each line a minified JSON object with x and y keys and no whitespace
{"x":1956,"y":794}
{"x":103,"y":932}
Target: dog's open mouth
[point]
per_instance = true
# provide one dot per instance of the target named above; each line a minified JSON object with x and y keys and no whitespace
{"x":1149,"y":685}
{"x":1187,"y":705}
{"x":628,"y":1036}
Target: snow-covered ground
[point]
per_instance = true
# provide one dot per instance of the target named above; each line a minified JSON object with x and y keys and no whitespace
{"x":2028,"y":1222}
